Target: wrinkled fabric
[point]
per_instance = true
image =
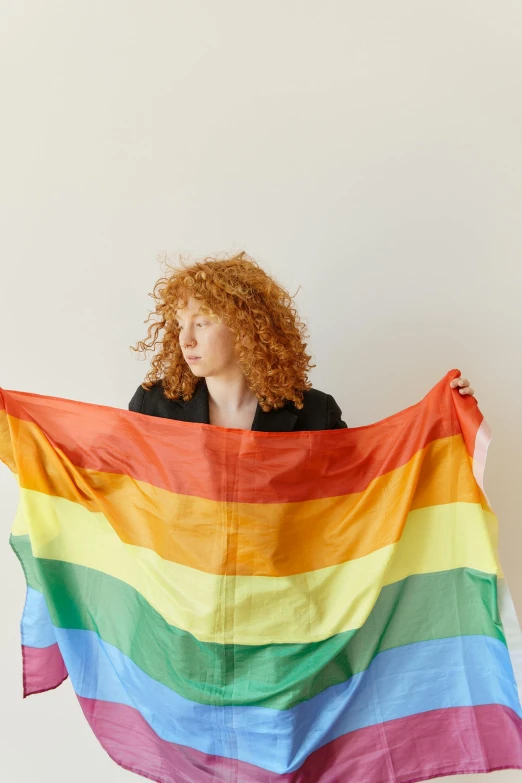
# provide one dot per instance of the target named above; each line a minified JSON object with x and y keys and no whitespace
{"x":236,"y":606}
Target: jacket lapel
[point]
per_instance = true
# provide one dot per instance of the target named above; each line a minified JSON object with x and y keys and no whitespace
{"x":277,"y":420}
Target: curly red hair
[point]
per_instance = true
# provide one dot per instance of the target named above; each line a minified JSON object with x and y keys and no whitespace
{"x":270,"y":337}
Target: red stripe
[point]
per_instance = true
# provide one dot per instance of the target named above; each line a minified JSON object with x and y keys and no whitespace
{"x":43,"y":669}
{"x":289,"y":467}
{"x":461,"y":740}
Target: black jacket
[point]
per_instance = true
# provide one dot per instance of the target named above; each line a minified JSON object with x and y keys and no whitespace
{"x":320,"y":411}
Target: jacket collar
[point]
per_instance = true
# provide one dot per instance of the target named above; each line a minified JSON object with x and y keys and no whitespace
{"x":276,"y":420}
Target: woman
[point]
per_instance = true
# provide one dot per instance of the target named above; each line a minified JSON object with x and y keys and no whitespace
{"x":233,"y":353}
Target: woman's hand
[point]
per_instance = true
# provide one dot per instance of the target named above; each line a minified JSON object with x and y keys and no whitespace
{"x":463,"y":383}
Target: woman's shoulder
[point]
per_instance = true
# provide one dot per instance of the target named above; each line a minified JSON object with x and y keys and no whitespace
{"x":151,"y":395}
{"x":321,"y":409}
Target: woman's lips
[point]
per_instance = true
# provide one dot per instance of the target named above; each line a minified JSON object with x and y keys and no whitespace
{"x":193,"y":358}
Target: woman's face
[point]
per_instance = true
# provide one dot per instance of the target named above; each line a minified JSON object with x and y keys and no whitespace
{"x":208,"y":339}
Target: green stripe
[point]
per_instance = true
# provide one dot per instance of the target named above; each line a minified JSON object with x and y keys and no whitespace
{"x":22,"y":549}
{"x":457,"y":602}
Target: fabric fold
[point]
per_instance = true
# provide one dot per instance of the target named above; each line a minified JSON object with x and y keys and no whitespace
{"x":241,"y":606}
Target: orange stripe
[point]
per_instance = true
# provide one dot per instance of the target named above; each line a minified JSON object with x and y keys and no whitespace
{"x":265,"y":539}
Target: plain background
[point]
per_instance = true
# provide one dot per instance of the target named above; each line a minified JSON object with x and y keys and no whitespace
{"x":367,"y":155}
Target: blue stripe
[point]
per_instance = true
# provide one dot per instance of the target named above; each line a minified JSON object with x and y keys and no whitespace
{"x":414,"y":678}
{"x":36,"y":628}
{"x":454,"y":672}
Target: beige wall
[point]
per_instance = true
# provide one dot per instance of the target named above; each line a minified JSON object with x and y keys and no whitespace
{"x":369,"y":152}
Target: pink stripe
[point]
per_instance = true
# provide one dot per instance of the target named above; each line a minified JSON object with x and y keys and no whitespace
{"x":461,"y":740}
{"x":43,"y":669}
{"x":482,"y":441}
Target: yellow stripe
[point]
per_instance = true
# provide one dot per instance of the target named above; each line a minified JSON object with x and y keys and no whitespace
{"x":260,"y":609}
{"x":266,"y":539}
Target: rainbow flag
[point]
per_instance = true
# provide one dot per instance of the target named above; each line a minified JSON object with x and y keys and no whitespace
{"x":255,"y":607}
